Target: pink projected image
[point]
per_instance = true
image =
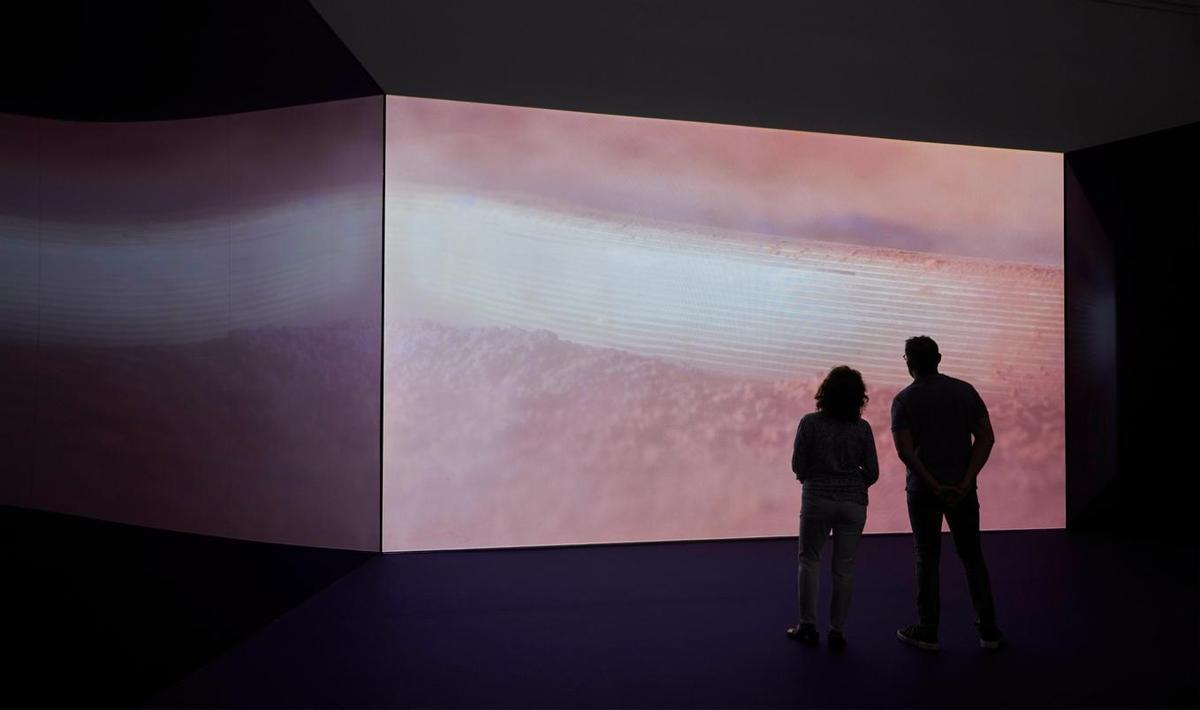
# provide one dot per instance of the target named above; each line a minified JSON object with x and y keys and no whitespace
{"x":605,"y":328}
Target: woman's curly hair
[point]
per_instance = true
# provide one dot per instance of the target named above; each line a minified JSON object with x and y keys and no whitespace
{"x":843,"y":394}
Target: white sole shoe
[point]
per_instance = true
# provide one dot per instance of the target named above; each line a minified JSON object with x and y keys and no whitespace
{"x":923,"y":645}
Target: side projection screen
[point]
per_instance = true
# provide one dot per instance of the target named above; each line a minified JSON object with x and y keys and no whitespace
{"x":190,"y":321}
{"x":605,"y":329}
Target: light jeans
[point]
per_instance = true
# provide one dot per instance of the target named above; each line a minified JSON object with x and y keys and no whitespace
{"x":818,"y":516}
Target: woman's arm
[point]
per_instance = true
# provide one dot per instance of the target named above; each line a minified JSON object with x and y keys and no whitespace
{"x":800,"y":451}
{"x":871,"y":465}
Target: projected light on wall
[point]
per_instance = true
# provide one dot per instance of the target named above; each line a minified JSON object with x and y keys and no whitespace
{"x":190,"y":321}
{"x":605,"y":328}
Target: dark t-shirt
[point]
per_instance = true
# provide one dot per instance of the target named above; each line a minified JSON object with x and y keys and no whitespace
{"x":940,"y":412}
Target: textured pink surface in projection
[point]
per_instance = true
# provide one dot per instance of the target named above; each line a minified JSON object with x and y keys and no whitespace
{"x":509,"y":437}
{"x":606,"y":329}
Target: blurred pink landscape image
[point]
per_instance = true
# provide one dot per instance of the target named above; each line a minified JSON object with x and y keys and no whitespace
{"x":605,"y":329}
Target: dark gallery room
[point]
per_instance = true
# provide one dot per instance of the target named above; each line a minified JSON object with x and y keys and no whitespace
{"x":598,"y":353}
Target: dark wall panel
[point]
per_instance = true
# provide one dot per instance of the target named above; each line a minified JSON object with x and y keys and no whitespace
{"x":121,"y":60}
{"x":1133,"y":236}
{"x":1091,"y":304}
{"x":98,"y":614}
{"x":205,"y":355}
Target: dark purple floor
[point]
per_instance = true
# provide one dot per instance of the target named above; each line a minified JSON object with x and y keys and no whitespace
{"x":1092,"y":621}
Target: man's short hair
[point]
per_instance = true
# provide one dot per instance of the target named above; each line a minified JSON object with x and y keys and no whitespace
{"x":922,"y":354}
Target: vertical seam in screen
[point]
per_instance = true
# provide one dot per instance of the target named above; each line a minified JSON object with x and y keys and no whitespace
{"x":35,"y":461}
{"x":1066,"y":355}
{"x":382,"y":294}
{"x":228,"y":351}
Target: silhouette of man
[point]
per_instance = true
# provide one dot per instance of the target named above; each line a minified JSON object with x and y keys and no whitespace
{"x":942,"y":434}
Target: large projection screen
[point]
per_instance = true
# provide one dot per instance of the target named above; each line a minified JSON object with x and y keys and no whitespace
{"x":190,"y":321}
{"x":604,"y":329}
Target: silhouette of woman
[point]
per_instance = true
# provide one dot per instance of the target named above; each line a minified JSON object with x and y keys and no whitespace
{"x":834,"y":458}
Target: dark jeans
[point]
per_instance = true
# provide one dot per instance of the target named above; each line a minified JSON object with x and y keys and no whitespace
{"x":925,"y":512}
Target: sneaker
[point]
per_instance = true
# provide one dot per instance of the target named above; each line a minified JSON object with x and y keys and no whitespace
{"x":919,"y":636}
{"x":837,"y":641}
{"x":804,"y":633}
{"x":989,"y":636}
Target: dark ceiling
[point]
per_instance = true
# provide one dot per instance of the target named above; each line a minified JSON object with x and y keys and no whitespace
{"x":1041,"y":74}
{"x":125,"y":60}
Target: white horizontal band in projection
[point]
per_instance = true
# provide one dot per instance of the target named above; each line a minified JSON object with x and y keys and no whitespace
{"x":182,"y":281}
{"x":746,"y":304}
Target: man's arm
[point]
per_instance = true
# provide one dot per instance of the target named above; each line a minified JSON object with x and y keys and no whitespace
{"x":904,"y":449}
{"x":981,"y":448}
